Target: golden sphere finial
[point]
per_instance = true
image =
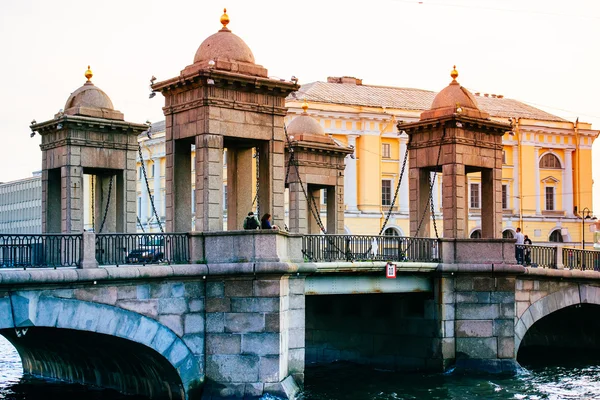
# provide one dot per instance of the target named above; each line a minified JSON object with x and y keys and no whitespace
{"x":305,"y":106}
{"x":454,"y":73}
{"x":89,"y":74}
{"x":224,"y":18}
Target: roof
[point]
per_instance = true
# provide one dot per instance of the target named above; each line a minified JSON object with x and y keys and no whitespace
{"x":409,"y":99}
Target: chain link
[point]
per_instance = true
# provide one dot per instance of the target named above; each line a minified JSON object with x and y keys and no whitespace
{"x":110,"y":185}
{"x":93,"y":201}
{"x":148,"y":189}
{"x":387,"y":217}
{"x":256,"y":200}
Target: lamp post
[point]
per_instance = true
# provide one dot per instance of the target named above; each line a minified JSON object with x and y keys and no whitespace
{"x":585,"y":214}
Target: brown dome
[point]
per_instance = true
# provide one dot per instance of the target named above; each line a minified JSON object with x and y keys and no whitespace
{"x":305,"y":124}
{"x":224,"y":45}
{"x":89,"y":96}
{"x":91,"y":101}
{"x":454,"y":99}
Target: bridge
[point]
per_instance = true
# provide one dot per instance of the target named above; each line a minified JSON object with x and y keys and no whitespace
{"x":103,"y":310}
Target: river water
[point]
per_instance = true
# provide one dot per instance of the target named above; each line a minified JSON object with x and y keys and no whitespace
{"x":573,"y":379}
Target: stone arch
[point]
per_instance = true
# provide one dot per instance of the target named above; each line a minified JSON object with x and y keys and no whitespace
{"x":31,"y":310}
{"x":569,"y":296}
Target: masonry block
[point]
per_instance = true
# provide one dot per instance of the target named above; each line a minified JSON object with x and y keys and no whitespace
{"x":244,"y":322}
{"x":232,"y":368}
{"x":479,"y":348}
{"x":474,"y":328}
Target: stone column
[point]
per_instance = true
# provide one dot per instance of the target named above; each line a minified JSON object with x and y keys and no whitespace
{"x":491,"y":203}
{"x":106,"y":196}
{"x":239,"y":186}
{"x":350,"y":197}
{"x":516,"y":184}
{"x":335,"y":210}
{"x":209,"y":183}
{"x":538,"y":199}
{"x":298,"y":209}
{"x":51,"y":195}
{"x":419,"y":201}
{"x":72,"y":199}
{"x":272,"y":180}
{"x":454,"y":203}
{"x":568,"y":183}
{"x":130,"y":176}
{"x":403,"y":196}
{"x":158,"y":199}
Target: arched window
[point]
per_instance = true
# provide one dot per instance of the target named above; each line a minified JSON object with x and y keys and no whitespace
{"x":391,"y":232}
{"x":556,"y":236}
{"x":476,"y":234}
{"x":549,"y":160}
{"x":508,"y":234}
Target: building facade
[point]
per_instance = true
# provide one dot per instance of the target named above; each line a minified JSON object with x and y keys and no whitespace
{"x":21,"y":206}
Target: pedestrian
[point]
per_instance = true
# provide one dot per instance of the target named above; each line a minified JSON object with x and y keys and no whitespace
{"x":528,"y":244}
{"x":519,"y":246}
{"x":251,"y":222}
{"x":265,"y":222}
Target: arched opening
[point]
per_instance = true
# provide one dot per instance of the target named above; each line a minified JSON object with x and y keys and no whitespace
{"x":476,"y":234}
{"x":550,"y":161}
{"x":556,"y":236}
{"x":508,"y":234}
{"x":391,"y":232}
{"x":96,"y":359}
{"x":563,"y":336}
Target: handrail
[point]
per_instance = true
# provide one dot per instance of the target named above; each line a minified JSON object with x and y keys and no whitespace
{"x":584,"y":260}
{"x":142,"y":248}
{"x":319,"y":248}
{"x":41,"y":250}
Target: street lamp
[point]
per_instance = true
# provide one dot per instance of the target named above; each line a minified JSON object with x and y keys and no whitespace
{"x":585,"y":214}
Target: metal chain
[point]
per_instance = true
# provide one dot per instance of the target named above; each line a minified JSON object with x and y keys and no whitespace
{"x":432,"y":183}
{"x":292,"y":160}
{"x":140,"y":224}
{"x":387,"y":217}
{"x":148,"y":189}
{"x":110,"y":185}
{"x":93,"y":201}
{"x":256,"y":200}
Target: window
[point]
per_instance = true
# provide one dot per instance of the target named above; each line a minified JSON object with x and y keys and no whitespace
{"x":385,"y":150}
{"x":550,"y":198}
{"x":476,"y":234}
{"x":474,"y":198}
{"x":139,"y":206}
{"x":324,"y":196}
{"x":556,"y":236}
{"x":503,"y":156}
{"x":508,"y":234}
{"x":390,"y":232}
{"x":386,"y":192}
{"x":152,"y":170}
{"x":550,"y":161}
{"x":140,"y":174}
{"x":504,"y":197}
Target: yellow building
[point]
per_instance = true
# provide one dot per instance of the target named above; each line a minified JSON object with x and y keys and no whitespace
{"x":547,"y":177}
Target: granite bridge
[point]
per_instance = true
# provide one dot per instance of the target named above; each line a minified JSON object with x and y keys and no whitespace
{"x":248,"y":323}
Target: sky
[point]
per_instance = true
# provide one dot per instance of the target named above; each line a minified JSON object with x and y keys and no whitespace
{"x":543,"y":52}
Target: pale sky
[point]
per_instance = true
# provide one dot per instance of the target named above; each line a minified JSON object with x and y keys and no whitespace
{"x":542,"y":52}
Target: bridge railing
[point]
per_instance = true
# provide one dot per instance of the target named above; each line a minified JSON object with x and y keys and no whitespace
{"x":326,"y":248}
{"x":142,"y":248}
{"x":585,"y":260}
{"x":539,"y":256}
{"x":42,"y":250}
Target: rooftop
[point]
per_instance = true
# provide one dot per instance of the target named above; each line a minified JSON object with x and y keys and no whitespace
{"x":409,"y":99}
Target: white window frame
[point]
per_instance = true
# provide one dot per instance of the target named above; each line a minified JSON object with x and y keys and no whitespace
{"x":478,"y":185}
{"x":391,"y":188}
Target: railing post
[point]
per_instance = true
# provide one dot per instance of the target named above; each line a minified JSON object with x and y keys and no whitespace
{"x":88,"y":251}
{"x":558,"y":256}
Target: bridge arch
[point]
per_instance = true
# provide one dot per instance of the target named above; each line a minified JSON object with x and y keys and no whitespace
{"x":559,"y":300}
{"x":158,"y":363}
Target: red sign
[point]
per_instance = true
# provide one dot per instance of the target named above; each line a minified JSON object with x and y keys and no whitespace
{"x":390,"y":271}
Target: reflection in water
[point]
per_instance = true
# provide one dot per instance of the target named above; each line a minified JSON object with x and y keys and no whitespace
{"x":574,"y":379}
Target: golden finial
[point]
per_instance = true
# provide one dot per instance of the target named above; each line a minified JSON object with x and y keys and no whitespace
{"x":89,"y":74}
{"x":305,"y":106}
{"x":454,"y":73}
{"x":224,"y":18}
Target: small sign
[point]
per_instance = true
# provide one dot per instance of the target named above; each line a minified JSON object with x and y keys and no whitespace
{"x":390,"y":271}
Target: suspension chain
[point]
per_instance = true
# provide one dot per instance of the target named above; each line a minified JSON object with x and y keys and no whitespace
{"x":93,"y":201}
{"x":389,"y":213}
{"x":432,"y":183}
{"x":110,"y":185}
{"x":148,"y":189}
{"x":292,"y":160}
{"x":257,"y":161}
{"x":140,"y":224}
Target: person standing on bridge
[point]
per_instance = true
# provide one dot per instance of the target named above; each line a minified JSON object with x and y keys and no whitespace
{"x":251,"y":222}
{"x":528,"y":243}
{"x":265,"y":222}
{"x":519,"y":246}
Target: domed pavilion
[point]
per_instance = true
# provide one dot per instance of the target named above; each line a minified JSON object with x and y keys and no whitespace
{"x":223,"y":100}
{"x":88,"y":137}
{"x":455,"y":138}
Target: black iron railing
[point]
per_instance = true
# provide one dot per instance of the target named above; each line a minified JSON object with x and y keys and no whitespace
{"x":142,"y":248}
{"x":319,"y":248}
{"x":47,"y":250}
{"x":537,"y":256}
{"x":585,"y":260}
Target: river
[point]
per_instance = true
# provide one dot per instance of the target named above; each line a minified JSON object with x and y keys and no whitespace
{"x":573,"y":379}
